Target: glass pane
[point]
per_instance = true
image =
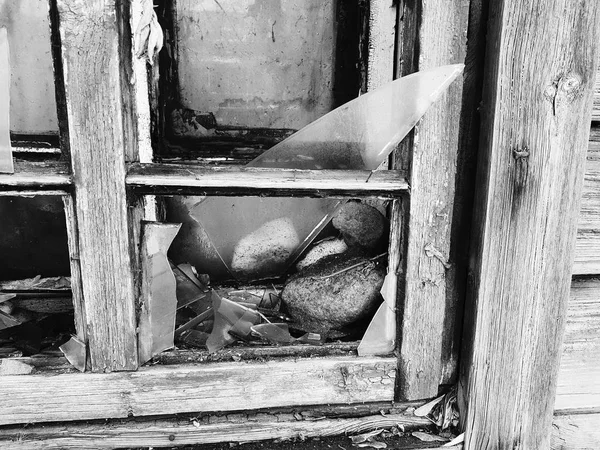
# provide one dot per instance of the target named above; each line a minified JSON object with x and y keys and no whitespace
{"x":36,"y":308}
{"x":33,"y":106}
{"x":266,"y":64}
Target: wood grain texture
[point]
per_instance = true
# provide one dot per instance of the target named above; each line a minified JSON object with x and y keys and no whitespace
{"x":157,"y":390}
{"x":101,"y":134}
{"x":192,"y":180}
{"x":38,"y":177}
{"x":75,"y":265}
{"x":587,"y":246}
{"x":382,"y":40}
{"x":578,"y":387}
{"x":190,"y":431}
{"x":596,"y":106}
{"x":536,"y":114}
{"x":427,"y":307}
{"x":576,"y":432}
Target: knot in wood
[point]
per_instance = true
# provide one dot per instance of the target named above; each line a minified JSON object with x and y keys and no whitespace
{"x":570,"y":84}
{"x":520,"y":153}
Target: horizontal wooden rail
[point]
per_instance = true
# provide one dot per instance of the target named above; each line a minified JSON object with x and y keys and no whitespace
{"x":185,"y":179}
{"x":195,"y":388}
{"x":36,"y":178}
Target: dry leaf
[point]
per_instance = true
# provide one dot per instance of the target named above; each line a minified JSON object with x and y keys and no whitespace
{"x":427,"y":437}
{"x":359,"y":438}
{"x":422,"y":411}
{"x":457,"y":440}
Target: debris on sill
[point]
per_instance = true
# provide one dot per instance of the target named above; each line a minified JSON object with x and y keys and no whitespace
{"x":336,"y":290}
{"x":36,"y":314}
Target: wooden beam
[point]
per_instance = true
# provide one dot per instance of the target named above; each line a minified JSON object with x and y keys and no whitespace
{"x":427,"y":356}
{"x":575,"y":432}
{"x":382,"y":40}
{"x":237,"y":428}
{"x":540,"y":65}
{"x":578,"y":387}
{"x":185,"y":179}
{"x":196,"y":388}
{"x":101,"y":134}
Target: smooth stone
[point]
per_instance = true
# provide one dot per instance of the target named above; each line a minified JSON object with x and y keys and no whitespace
{"x":334,"y":293}
{"x":361,"y":225}
{"x":326,"y":247}
{"x":266,"y":249}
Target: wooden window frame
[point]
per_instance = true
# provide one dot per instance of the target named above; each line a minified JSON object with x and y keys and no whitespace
{"x":103,"y":193}
{"x":109,"y":173}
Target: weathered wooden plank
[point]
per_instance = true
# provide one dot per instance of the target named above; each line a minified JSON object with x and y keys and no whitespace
{"x":45,"y":178}
{"x":428,"y":309}
{"x":382,"y":40}
{"x":192,"y":180}
{"x":101,"y":134}
{"x":232,"y":428}
{"x":536,"y":114}
{"x":596,"y":106}
{"x":576,"y":432}
{"x":578,"y":385}
{"x":587,"y":246}
{"x":75,"y":266}
{"x":158,"y":390}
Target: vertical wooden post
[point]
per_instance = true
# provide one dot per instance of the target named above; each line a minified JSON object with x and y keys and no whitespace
{"x":432,"y":33}
{"x":96,"y":57}
{"x":540,"y":64}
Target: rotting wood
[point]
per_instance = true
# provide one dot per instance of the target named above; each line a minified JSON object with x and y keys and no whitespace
{"x":578,"y":387}
{"x":101,"y":133}
{"x":191,"y":388}
{"x":576,"y":432}
{"x":190,"y":430}
{"x":536,"y":115}
{"x":428,"y":308}
{"x":187,"y":180}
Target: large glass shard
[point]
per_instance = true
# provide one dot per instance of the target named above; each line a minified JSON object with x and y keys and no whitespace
{"x":261,"y":237}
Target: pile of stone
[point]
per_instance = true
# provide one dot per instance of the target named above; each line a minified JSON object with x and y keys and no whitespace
{"x":339,"y":279}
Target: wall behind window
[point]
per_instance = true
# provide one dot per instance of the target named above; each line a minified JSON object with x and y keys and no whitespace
{"x":32,"y":101}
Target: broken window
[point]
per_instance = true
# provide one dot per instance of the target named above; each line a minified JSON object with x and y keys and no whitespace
{"x":257,"y":84}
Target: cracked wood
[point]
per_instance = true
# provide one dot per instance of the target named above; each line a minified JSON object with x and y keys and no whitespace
{"x":101,"y":134}
{"x":195,"y":388}
{"x":526,"y":216}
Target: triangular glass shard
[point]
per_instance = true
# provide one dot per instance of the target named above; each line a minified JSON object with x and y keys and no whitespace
{"x":260,"y":237}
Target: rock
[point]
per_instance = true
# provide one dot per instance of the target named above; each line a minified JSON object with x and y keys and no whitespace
{"x":361,"y":225}
{"x":266,"y":249}
{"x":334,"y":293}
{"x":326,"y":247}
